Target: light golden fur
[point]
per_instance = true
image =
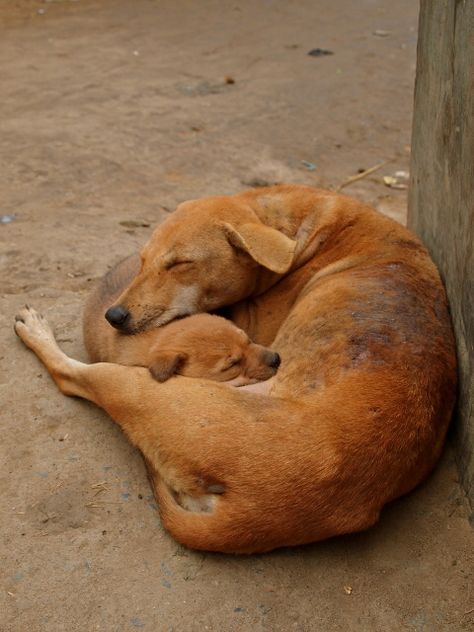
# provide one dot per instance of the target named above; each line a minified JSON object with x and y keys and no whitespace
{"x":357,"y":413}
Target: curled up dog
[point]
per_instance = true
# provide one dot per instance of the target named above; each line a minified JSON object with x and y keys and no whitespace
{"x":357,"y":413}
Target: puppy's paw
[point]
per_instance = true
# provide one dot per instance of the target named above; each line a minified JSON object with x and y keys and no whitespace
{"x":32,"y":327}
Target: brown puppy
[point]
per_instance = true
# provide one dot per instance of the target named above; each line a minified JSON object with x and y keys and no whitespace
{"x":356,"y":415}
{"x":197,"y":346}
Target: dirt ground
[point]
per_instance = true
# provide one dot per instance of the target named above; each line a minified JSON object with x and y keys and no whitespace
{"x":111,"y":113}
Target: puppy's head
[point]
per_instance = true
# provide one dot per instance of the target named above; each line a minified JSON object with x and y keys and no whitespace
{"x":210,"y":347}
{"x":202,"y":257}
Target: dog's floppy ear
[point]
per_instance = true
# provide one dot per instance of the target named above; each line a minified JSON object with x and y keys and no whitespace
{"x":267,"y":246}
{"x":166,"y":363}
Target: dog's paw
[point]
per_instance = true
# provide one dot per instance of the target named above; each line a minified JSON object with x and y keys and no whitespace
{"x":32,"y":327}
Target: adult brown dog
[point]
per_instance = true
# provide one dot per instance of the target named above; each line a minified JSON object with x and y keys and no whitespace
{"x":356,"y":415}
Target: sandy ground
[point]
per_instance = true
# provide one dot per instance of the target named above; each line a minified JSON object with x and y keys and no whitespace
{"x":111,"y":113}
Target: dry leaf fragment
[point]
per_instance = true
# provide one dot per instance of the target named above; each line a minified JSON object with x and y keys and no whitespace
{"x":393,"y":183}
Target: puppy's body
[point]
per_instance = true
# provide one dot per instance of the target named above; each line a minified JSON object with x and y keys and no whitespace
{"x":358,"y":411}
{"x":202,"y":345}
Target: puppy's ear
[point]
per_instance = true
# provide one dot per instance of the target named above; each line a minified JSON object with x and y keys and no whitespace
{"x":166,"y":363}
{"x":267,"y":246}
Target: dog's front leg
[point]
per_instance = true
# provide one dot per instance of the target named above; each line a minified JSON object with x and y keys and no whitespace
{"x":101,"y":383}
{"x":128,"y":394}
{"x":69,"y":374}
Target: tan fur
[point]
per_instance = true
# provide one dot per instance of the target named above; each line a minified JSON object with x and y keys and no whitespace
{"x":357,"y":413}
{"x":202,"y":345}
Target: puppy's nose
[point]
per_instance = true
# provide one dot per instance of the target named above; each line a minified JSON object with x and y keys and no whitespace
{"x":117,"y":315}
{"x":274,"y":360}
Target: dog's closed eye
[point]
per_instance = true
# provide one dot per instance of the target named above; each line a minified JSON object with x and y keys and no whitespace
{"x":176,"y":264}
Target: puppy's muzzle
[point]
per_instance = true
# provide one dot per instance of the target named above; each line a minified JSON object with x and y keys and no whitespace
{"x":117,"y":316}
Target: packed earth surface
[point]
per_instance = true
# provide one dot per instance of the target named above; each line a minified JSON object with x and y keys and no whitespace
{"x":113,"y":112}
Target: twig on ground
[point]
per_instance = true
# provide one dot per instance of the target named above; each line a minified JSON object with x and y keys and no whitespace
{"x":363,"y":174}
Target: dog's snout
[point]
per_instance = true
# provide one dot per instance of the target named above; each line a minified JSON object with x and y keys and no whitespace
{"x":274,"y":360}
{"x":117,"y":315}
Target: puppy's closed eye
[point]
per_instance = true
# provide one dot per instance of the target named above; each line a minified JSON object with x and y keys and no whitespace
{"x":231,"y":362}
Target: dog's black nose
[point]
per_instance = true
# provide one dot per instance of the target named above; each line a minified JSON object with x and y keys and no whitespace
{"x":117,"y":315}
{"x":274,"y":360}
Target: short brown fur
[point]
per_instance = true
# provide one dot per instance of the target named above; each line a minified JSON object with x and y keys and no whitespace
{"x":357,"y":413}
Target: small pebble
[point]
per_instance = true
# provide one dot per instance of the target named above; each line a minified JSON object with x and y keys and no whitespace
{"x":6,"y":219}
{"x":310,"y":166}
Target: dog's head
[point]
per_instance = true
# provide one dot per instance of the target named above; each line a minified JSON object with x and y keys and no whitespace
{"x":203,"y":257}
{"x":210,"y":347}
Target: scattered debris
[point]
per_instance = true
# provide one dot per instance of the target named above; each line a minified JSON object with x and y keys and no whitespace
{"x":137,"y":622}
{"x":348,"y":590}
{"x":319,"y":52}
{"x":404,"y":175}
{"x":135,"y":223}
{"x":399,"y":180}
{"x":310,"y":166}
{"x":6,"y":219}
{"x":101,"y":504}
{"x":381,"y":33}
{"x":363,"y":174}
{"x":257,"y":182}
{"x":99,"y":488}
